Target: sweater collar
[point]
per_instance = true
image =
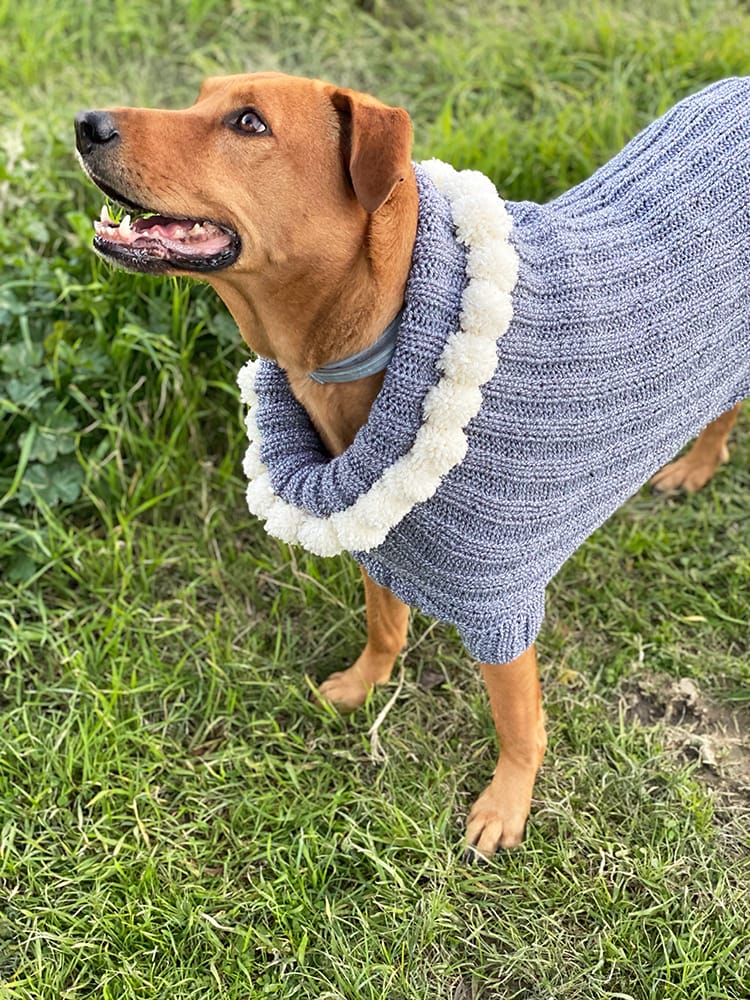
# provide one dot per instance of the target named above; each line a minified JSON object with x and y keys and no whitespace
{"x":458,"y":301}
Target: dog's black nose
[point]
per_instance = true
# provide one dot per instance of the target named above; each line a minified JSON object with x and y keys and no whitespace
{"x":94,"y":128}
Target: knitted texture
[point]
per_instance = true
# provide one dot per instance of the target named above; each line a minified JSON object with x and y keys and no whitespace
{"x":470,"y":484}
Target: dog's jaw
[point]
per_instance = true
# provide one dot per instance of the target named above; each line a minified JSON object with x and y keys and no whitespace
{"x":156,"y":243}
{"x":159,"y":243}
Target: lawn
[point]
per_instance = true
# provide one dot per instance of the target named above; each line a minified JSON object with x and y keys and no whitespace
{"x":177,"y":820}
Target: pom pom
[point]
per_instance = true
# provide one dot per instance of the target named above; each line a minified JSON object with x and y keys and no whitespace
{"x":442,"y":451}
{"x":318,"y":535}
{"x":497,"y":262}
{"x":284,"y":521}
{"x":468,"y":360}
{"x":246,"y":382}
{"x":362,"y":532}
{"x":259,"y":495}
{"x":485,"y":310}
{"x":252,"y":465}
{"x":450,"y":404}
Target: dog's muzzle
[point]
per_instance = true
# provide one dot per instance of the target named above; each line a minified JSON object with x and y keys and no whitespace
{"x":152,"y":242}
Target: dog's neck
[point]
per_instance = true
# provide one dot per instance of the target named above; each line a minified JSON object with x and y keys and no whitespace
{"x":319,"y":315}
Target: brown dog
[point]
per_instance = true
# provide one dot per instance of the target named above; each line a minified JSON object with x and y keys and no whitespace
{"x":297,"y":201}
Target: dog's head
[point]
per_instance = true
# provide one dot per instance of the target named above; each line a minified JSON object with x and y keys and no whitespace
{"x":263,"y":168}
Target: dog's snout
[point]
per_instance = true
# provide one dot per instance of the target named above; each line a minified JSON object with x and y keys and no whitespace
{"x":93,"y":129}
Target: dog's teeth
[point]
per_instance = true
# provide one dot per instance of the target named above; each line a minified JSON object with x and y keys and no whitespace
{"x":104,"y":215}
{"x":125,"y":225}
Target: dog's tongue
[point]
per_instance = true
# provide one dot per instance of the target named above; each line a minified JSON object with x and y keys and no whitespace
{"x":186,"y":235}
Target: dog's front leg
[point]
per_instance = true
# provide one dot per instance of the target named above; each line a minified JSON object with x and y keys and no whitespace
{"x":498,"y":817}
{"x":387,"y":622}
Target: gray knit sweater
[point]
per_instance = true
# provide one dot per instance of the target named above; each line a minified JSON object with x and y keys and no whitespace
{"x":551,"y":358}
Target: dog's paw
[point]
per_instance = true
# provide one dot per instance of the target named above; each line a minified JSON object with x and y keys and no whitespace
{"x":493,"y":825}
{"x":346,"y":690}
{"x":497,"y":820}
{"x":689,"y":473}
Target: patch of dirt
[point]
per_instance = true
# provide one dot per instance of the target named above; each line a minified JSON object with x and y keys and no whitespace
{"x":697,"y":728}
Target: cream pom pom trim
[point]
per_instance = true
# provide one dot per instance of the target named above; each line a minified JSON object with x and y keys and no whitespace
{"x":467,"y":362}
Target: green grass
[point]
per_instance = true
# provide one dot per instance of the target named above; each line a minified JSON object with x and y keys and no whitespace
{"x":176,"y":819}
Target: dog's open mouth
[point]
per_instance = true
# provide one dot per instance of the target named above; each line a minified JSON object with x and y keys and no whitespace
{"x":157,"y":243}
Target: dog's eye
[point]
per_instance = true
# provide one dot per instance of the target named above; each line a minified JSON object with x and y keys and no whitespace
{"x":250,"y":122}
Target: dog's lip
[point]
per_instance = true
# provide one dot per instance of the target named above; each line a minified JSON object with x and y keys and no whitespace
{"x":158,"y":242}
{"x":112,"y":193}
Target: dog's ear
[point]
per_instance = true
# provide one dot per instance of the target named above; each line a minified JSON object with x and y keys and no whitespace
{"x":376,"y":145}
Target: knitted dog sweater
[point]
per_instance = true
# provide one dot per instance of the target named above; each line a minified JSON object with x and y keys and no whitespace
{"x":550,"y":359}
